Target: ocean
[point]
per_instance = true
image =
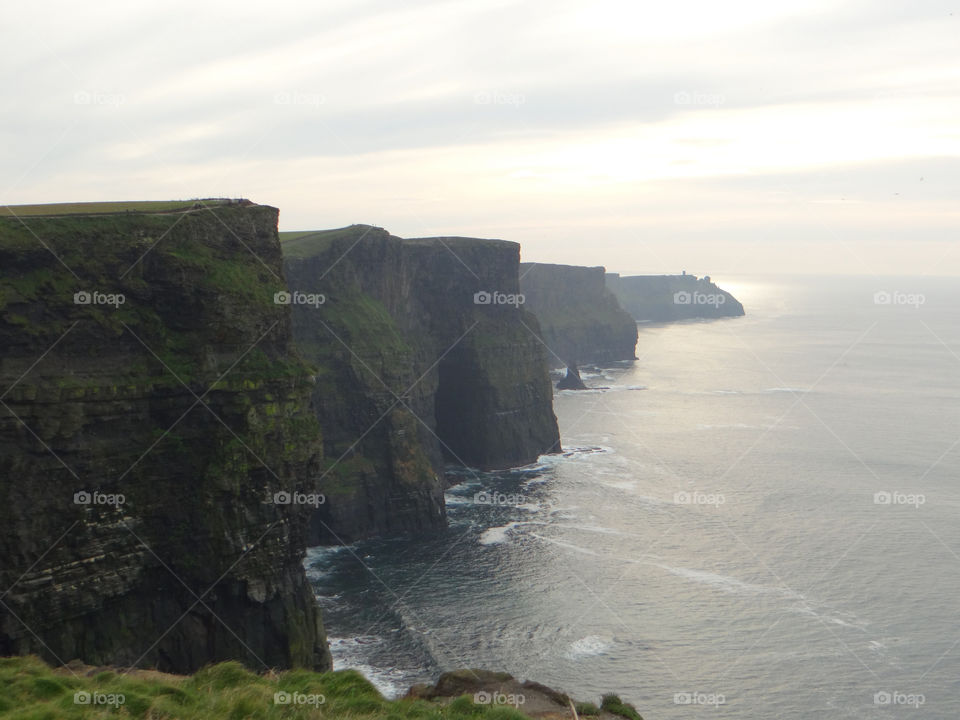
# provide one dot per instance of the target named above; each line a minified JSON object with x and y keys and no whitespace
{"x":756,"y":519}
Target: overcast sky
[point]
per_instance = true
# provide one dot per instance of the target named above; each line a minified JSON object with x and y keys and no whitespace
{"x":723,"y":138}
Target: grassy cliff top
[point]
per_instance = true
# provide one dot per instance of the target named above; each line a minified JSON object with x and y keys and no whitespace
{"x":31,"y":689}
{"x":305,"y":243}
{"x":109,"y":208}
{"x":457,"y":240}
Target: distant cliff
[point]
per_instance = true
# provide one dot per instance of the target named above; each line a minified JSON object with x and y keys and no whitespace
{"x":425,"y":358}
{"x":672,"y":297}
{"x":581,"y":320}
{"x":154,"y":426}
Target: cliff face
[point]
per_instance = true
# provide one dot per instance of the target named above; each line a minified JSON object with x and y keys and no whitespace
{"x":581,"y":320}
{"x":146,"y":428}
{"x":672,"y":297}
{"x":415,"y":371}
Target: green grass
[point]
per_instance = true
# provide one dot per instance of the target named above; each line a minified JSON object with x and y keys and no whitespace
{"x":306,"y":243}
{"x":613,"y":704}
{"x":31,"y":690}
{"x":294,"y":234}
{"x":94,"y":208}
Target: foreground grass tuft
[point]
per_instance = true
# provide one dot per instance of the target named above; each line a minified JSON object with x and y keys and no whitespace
{"x":612,"y":703}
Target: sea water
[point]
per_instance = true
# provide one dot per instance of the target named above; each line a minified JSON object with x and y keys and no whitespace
{"x":758,"y":518}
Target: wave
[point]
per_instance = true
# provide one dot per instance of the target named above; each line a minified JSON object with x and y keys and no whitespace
{"x":725,"y":582}
{"x":745,"y":426}
{"x":589,"y":646}
{"x":353,"y":654}
{"x":322,"y":553}
{"x":571,"y":546}
{"x":317,"y":561}
{"x":764,"y":391}
{"x":578,"y":452}
{"x":497,"y":535}
{"x":722,"y":582}
{"x":604,"y":389}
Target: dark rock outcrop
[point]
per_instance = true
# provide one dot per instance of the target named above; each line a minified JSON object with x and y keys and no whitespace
{"x":425,"y":358}
{"x":581,"y":320}
{"x":571,"y":381}
{"x":532,"y":699}
{"x":147,"y":447}
{"x":661,"y":298}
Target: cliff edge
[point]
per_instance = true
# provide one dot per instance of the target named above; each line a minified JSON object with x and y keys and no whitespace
{"x":425,"y":357}
{"x":155,"y":440}
{"x":661,"y":298}
{"x":582,"y":321}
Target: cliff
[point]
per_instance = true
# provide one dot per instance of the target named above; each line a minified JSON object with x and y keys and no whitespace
{"x":581,"y":320}
{"x":154,"y":421}
{"x":662,"y":298}
{"x":425,"y":360}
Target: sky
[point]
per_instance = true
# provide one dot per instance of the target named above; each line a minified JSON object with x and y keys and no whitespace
{"x":736,"y":138}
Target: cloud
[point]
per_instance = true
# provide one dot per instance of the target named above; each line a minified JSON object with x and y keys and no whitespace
{"x":483,"y":114}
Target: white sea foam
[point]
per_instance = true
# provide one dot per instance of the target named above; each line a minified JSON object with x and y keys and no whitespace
{"x":529,"y":507}
{"x":589,"y":646}
{"x":725,"y":583}
{"x":571,"y":546}
{"x":497,"y":535}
